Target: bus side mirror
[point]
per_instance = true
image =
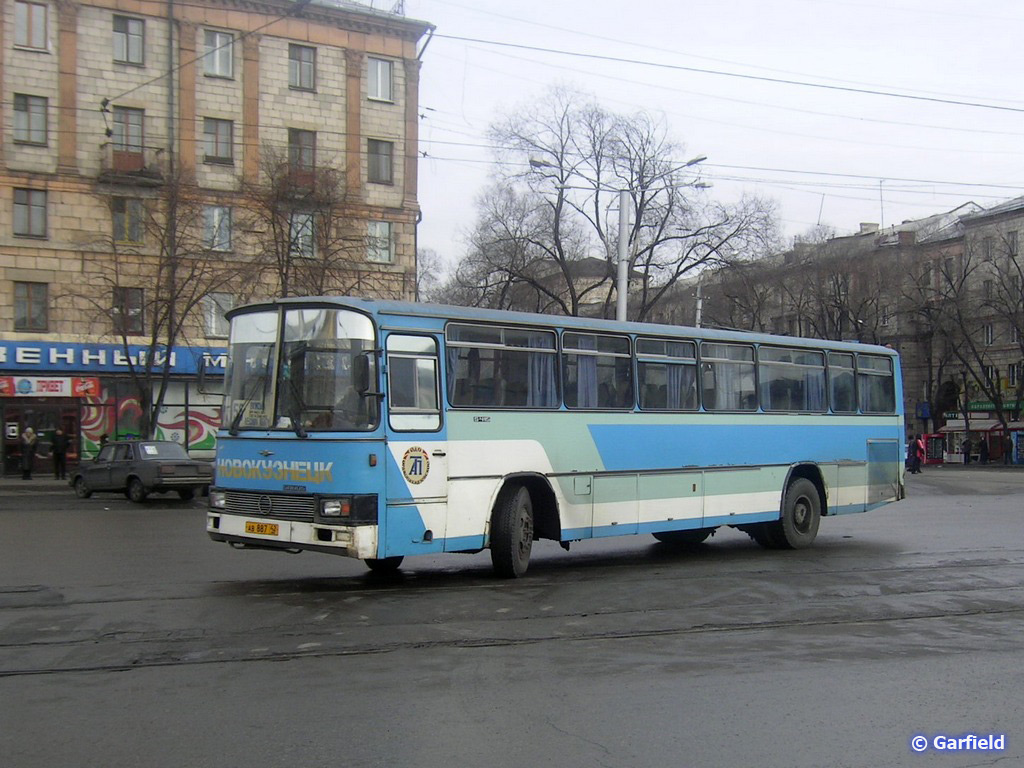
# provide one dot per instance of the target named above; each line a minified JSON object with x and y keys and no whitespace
{"x":362,"y":375}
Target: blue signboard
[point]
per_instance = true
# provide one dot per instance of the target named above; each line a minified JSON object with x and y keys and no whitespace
{"x":73,"y":357}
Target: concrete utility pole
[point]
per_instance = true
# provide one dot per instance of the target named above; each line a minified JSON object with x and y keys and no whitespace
{"x":622,"y":284}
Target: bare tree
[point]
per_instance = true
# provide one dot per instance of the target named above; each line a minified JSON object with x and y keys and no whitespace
{"x":302,"y":235}
{"x":552,"y":211}
{"x":145,"y":283}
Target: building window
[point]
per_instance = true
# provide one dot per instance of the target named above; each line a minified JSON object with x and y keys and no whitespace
{"x":217,"y":61}
{"x":301,"y":236}
{"x":380,"y":246}
{"x":380,"y":79}
{"x":30,"y":25}
{"x":987,"y":287}
{"x":301,"y":149}
{"x":1011,"y":243}
{"x":129,"y":40}
{"x":30,"y":306}
{"x":380,"y":167}
{"x":987,"y":244}
{"x":991,"y":374}
{"x":1012,"y":374}
{"x":990,"y":334}
{"x":127,"y":134}
{"x":29,"y":213}
{"x":218,"y":137}
{"x":126,"y":310}
{"x":301,"y":67}
{"x":217,"y":227}
{"x":886,"y":317}
{"x":215,"y":306}
{"x":29,"y":119}
{"x":129,"y":221}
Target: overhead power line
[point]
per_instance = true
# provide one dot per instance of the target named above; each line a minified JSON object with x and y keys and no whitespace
{"x":736,"y":75}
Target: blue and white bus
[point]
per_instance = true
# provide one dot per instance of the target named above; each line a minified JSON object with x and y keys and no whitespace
{"x":380,"y":430}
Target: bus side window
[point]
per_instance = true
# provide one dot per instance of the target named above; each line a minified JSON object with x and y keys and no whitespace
{"x":413,"y":389}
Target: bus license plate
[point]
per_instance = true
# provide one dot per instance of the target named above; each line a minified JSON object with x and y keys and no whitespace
{"x":262,"y":529}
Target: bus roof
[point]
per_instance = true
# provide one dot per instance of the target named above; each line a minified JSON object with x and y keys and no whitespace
{"x":385,"y":307}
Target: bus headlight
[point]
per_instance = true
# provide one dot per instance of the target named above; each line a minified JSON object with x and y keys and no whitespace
{"x":348,"y":510}
{"x":336,"y":507}
{"x":218,"y":499}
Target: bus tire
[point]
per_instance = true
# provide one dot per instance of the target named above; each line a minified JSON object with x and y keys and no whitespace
{"x":512,"y":532}
{"x":801,"y":515}
{"x":690,"y":537}
{"x":384,"y":564}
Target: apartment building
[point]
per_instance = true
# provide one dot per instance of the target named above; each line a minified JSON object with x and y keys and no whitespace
{"x":162,"y":161}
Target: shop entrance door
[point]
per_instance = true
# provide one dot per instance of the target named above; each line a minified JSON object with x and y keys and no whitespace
{"x":44,"y":416}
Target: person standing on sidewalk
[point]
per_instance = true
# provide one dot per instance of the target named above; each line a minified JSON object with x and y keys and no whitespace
{"x":967,"y":450}
{"x":983,"y":451}
{"x":918,"y":455}
{"x":59,"y":447}
{"x":29,"y":444}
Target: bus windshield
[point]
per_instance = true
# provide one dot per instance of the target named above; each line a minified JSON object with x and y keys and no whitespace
{"x":308,"y":383}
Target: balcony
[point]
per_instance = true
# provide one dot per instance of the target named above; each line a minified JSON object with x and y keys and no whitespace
{"x":139,"y":167}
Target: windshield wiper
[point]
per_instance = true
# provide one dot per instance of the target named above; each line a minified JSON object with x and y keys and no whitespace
{"x":296,"y":410}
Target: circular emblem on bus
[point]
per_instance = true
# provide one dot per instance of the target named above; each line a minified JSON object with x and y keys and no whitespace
{"x":415,"y":465}
{"x":264,"y":505}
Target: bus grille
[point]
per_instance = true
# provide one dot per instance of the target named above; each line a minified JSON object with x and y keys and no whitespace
{"x":299,"y":509}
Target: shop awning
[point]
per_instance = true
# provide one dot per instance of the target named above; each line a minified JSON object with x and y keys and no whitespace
{"x":977,"y":425}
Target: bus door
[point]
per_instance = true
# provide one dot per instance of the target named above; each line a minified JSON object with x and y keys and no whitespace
{"x":417,"y":463}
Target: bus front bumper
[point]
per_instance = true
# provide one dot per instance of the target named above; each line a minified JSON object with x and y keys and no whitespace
{"x":359,"y":541}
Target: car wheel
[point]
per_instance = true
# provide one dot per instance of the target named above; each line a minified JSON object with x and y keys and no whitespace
{"x":186,"y":494}
{"x":81,"y":489}
{"x":136,"y":490}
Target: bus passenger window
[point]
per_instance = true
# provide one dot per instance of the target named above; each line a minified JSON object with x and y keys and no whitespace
{"x":413,"y":400}
{"x":875,"y":384}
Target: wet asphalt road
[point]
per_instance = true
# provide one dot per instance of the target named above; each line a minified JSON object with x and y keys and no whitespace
{"x":129,"y":639}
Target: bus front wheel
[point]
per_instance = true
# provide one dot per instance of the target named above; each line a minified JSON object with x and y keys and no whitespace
{"x":801,"y":515}
{"x":383,"y":564}
{"x":512,"y":532}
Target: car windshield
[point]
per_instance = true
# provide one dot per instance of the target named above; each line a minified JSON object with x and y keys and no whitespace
{"x":162,"y":451}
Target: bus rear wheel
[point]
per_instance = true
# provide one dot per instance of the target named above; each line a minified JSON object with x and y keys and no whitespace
{"x":684,"y":538}
{"x":801,"y":515}
{"x":512,"y":532}
{"x":384,"y":564}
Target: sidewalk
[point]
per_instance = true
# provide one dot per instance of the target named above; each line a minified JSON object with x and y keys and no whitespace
{"x":14,"y":485}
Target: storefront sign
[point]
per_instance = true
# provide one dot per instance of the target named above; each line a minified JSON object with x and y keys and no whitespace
{"x":27,"y":357}
{"x":38,"y":386}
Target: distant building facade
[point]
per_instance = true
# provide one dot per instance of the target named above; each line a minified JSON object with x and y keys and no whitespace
{"x":945,"y":291}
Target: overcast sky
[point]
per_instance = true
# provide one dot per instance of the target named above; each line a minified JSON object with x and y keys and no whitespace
{"x":829,"y":155}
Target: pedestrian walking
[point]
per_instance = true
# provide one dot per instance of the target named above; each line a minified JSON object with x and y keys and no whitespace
{"x":918,"y":455}
{"x":29,"y":445}
{"x":59,"y":450}
{"x":983,"y":451}
{"x":967,"y":450}
{"x":1007,"y":450}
